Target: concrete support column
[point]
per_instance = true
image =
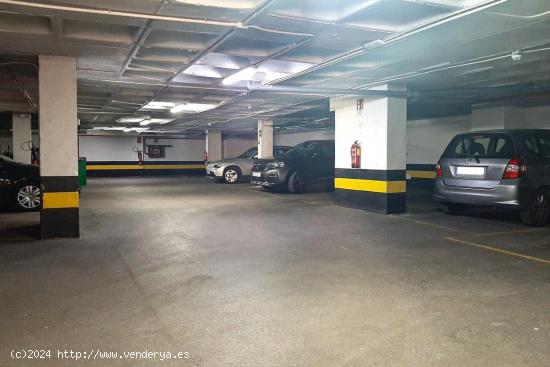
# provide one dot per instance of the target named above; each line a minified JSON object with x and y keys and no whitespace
{"x":214,"y":145}
{"x":370,"y":143}
{"x":265,"y":139}
{"x":21,"y":128}
{"x":500,"y":117}
{"x":58,"y":128}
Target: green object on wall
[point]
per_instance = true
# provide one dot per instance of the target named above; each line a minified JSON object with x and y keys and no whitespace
{"x":82,"y":174}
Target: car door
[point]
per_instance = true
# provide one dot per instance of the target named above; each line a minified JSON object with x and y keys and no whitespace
{"x":322,"y":162}
{"x":537,"y":151}
{"x":4,"y":178}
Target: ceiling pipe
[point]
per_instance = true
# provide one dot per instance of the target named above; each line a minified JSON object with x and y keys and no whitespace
{"x":398,"y":37}
{"x":163,"y":18}
{"x":331,"y":92}
{"x":211,"y":48}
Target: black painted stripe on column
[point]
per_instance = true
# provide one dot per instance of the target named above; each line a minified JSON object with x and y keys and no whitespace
{"x":59,"y":183}
{"x":371,"y":174}
{"x":60,"y":221}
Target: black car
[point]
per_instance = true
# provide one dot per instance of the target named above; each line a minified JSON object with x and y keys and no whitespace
{"x":307,"y":164}
{"x":19,"y":185}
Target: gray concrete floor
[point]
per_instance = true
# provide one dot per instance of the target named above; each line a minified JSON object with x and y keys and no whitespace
{"x":236,"y":276}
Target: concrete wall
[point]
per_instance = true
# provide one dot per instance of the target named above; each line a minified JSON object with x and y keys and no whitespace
{"x":426,"y":139}
{"x":233,"y":147}
{"x":120,"y":148}
{"x":294,"y":138}
{"x":180,"y":150}
{"x":538,"y":117}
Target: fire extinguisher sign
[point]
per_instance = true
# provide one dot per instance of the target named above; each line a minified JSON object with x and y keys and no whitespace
{"x":356,"y":155}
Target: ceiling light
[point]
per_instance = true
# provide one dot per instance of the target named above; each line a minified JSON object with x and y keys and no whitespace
{"x":130,"y":120}
{"x":127,"y":130}
{"x":516,"y":56}
{"x":158,"y":105}
{"x":244,"y":74}
{"x":192,"y":107}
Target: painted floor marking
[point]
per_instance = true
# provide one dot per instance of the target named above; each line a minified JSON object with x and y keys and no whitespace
{"x":494,"y":249}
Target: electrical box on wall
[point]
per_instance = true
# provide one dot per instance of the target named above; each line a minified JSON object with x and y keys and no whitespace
{"x":156,"y":151}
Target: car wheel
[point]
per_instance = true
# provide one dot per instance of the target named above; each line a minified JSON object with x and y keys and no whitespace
{"x":27,"y":197}
{"x":296,"y":183}
{"x":538,"y":211}
{"x":232,"y":175}
{"x":453,"y":209}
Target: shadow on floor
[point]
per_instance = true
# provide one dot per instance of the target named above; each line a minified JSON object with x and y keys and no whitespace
{"x":22,"y":233}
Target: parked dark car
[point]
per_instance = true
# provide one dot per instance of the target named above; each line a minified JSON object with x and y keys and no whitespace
{"x":499,"y":168}
{"x":303,"y":166}
{"x":19,"y":185}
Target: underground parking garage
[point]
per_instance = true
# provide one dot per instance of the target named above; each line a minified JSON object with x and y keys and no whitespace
{"x":275,"y":183}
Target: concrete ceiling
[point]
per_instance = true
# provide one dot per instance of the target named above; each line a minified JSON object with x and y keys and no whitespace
{"x":450,"y":54}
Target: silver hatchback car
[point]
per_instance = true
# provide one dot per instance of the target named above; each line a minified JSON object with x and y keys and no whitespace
{"x":497,"y":168}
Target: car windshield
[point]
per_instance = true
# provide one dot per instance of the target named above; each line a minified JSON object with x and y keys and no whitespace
{"x":249,"y":153}
{"x":481,"y":146}
{"x":301,"y":149}
{"x":5,"y":159}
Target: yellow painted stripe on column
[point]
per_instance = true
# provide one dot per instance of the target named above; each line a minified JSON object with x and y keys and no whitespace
{"x":421,"y":174}
{"x":58,"y":200}
{"x":387,"y":187}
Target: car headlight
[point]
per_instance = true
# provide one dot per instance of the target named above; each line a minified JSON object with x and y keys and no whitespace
{"x":274,"y":165}
{"x":216,"y":165}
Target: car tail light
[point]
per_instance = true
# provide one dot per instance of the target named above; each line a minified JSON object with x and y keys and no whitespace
{"x":514,"y":169}
{"x":439,"y":170}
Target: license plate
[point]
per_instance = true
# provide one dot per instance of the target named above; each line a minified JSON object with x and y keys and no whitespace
{"x":257,"y":174}
{"x":470,"y":171}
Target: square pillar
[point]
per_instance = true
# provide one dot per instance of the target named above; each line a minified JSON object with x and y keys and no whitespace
{"x":21,"y":128}
{"x":214,"y":145}
{"x":370,"y":161}
{"x":499,"y":117}
{"x":58,"y":128}
{"x":265,"y":139}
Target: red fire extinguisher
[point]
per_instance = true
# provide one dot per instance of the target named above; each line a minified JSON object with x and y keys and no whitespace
{"x":205,"y":156}
{"x":356,"y":155}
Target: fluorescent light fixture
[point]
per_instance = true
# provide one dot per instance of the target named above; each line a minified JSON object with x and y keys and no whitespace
{"x":158,"y":106}
{"x":154,"y":121}
{"x":192,"y":107}
{"x":107,"y":128}
{"x":127,"y":130}
{"x":130,"y":120}
{"x":228,"y":4}
{"x":202,"y":71}
{"x":244,"y":74}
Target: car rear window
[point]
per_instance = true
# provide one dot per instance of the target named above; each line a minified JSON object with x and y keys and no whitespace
{"x":481,"y":146}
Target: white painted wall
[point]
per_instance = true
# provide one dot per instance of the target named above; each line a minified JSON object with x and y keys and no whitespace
{"x":428,"y":138}
{"x":538,"y":117}
{"x":292,"y":139}
{"x":180,"y":150}
{"x":233,"y":147}
{"x":120,"y":148}
{"x":108,"y":148}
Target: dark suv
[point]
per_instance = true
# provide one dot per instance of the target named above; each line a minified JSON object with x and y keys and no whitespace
{"x":19,"y":185}
{"x":307,"y":164}
{"x":497,"y":168}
